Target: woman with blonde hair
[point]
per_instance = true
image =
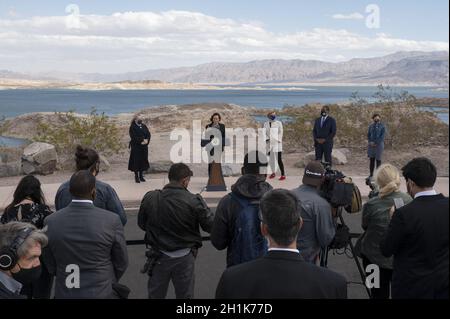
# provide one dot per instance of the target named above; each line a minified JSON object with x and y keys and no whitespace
{"x":376,"y":216}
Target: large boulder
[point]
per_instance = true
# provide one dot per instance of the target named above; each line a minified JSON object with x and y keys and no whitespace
{"x":39,"y":158}
{"x":159,"y":167}
{"x":338,"y":156}
{"x":231,"y":170}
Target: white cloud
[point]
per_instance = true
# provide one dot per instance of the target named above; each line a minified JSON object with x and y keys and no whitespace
{"x":350,"y":16}
{"x":132,"y":41}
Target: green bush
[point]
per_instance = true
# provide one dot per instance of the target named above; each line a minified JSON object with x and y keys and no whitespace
{"x":94,"y":130}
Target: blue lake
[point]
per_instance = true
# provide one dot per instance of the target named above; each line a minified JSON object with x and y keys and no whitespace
{"x":16,"y":102}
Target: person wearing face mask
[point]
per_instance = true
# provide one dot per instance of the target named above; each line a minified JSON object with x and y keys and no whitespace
{"x":418,"y":237}
{"x":20,"y":251}
{"x":273,"y":129}
{"x":375,"y":137}
{"x":88,"y":159}
{"x":210,"y":134}
{"x":171,"y":219}
{"x":89,"y":238}
{"x":140,"y":138}
{"x":28,"y":205}
{"x":323,"y":132}
{"x":282,"y":272}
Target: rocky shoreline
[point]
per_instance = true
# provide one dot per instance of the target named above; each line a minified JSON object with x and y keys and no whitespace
{"x":163,"y":119}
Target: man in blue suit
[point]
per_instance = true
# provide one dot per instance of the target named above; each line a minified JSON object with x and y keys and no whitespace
{"x":324,"y":132}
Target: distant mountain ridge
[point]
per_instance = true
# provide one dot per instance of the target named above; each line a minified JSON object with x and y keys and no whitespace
{"x":401,"y":68}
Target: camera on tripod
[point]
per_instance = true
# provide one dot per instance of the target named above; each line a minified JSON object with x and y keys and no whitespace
{"x":339,"y":190}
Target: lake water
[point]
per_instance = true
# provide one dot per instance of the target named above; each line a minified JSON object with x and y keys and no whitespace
{"x":20,"y":101}
{"x":16,"y":102}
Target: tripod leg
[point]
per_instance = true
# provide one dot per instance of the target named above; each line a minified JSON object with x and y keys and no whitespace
{"x":358,"y":264}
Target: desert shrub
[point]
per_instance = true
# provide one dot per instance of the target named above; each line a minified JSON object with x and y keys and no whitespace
{"x":93,"y":130}
{"x":406,"y":126}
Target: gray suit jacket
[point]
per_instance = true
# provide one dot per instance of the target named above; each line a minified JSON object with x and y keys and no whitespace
{"x":91,"y":238}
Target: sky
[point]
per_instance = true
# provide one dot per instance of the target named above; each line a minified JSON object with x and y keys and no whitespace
{"x":127,"y":36}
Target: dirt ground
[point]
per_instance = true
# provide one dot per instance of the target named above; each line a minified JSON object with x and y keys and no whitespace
{"x":160,"y":146}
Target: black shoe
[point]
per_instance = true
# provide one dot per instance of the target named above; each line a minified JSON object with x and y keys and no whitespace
{"x":136,"y":179}
{"x":141,"y":178}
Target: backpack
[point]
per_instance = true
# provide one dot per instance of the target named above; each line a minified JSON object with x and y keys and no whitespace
{"x":248,"y":243}
{"x":356,"y":203}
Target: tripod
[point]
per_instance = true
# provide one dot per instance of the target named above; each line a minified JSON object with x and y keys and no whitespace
{"x":324,"y":252}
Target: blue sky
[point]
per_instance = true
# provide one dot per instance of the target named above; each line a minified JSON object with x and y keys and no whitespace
{"x":281,"y":26}
{"x":417,"y":20}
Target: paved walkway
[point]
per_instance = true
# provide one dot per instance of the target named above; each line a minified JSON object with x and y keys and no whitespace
{"x":131,"y":193}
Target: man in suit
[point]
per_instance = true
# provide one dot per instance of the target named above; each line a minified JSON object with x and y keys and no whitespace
{"x":86,"y":245}
{"x":418,"y":237}
{"x":324,"y":132}
{"x":282,"y":273}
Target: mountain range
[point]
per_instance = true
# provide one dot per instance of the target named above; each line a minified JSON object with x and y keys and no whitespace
{"x":401,"y":68}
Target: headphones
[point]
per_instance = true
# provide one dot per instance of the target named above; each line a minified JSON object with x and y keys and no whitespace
{"x":8,"y":255}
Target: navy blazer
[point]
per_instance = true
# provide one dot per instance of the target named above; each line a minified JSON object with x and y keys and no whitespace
{"x":327,"y":131}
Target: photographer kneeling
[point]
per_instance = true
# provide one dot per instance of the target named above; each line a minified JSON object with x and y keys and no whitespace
{"x":375,"y":221}
{"x":318,"y":229}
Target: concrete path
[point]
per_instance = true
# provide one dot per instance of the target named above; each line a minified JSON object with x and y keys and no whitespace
{"x":131,"y":193}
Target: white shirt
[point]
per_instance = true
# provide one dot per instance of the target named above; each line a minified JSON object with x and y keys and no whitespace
{"x":426,"y":193}
{"x":82,"y":201}
{"x":285,"y":249}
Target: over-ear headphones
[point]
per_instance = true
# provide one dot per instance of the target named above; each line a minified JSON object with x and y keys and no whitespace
{"x":8,"y":255}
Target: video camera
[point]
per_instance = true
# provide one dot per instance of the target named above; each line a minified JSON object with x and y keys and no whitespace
{"x":335,"y":189}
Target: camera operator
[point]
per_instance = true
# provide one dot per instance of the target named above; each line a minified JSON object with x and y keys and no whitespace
{"x":375,"y":222}
{"x":318,"y":228}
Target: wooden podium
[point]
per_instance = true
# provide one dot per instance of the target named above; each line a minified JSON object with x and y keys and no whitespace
{"x":216,"y":183}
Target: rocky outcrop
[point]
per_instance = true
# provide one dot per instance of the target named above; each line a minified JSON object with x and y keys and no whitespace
{"x":39,"y":158}
{"x":338,"y":156}
{"x":159,"y":167}
{"x":231,"y":170}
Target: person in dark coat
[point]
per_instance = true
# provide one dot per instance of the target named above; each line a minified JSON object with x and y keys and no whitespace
{"x":140,"y":138}
{"x":28,"y":206}
{"x":88,"y":237}
{"x":282,"y":272}
{"x":418,"y":236}
{"x":106,"y":197}
{"x":375,"y":137}
{"x":250,"y":187}
{"x":323,"y":133}
{"x":215,"y":124}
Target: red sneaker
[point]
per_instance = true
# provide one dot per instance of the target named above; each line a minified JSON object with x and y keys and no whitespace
{"x":282,"y":178}
{"x":272,"y":176}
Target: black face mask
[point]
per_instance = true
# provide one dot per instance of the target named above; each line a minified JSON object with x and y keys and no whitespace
{"x":323,"y":113}
{"x":139,"y":122}
{"x":27,"y":276}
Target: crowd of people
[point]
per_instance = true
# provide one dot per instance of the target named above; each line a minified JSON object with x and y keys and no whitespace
{"x":273,"y":237}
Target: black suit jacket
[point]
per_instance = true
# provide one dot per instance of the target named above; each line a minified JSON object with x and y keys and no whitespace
{"x":327,"y":131}
{"x":211,"y":137}
{"x":418,"y":239}
{"x":280,"y":274}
